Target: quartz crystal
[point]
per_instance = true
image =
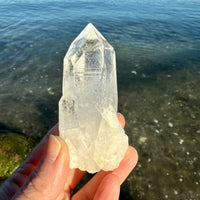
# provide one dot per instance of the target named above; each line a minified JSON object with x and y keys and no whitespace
{"x":88,"y":106}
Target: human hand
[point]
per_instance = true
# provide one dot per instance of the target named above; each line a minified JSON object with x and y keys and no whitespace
{"x":45,"y":174}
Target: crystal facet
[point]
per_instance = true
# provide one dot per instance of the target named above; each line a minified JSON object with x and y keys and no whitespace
{"x":88,"y":106}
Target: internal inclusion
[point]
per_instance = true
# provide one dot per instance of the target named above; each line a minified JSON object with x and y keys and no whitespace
{"x":88,"y":106}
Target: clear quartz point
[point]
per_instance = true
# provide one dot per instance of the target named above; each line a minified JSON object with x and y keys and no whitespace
{"x":88,"y":106}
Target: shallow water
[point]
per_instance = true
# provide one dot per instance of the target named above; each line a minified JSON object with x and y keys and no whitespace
{"x":158,"y":61}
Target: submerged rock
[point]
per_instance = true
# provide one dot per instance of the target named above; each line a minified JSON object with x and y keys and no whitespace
{"x":14,"y":148}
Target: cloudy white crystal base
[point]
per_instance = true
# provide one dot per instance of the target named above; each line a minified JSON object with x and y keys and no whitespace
{"x":104,"y":153}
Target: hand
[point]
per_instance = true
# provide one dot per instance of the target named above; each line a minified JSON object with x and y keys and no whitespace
{"x":45,"y":174}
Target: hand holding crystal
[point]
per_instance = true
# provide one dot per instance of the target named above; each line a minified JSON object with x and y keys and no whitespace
{"x":45,"y":174}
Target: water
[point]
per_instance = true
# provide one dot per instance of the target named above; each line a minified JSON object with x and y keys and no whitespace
{"x":158,"y":60}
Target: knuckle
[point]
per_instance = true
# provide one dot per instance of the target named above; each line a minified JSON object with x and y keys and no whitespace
{"x":35,"y":184}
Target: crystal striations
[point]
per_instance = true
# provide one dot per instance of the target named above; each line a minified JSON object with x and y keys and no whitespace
{"x":88,"y":106}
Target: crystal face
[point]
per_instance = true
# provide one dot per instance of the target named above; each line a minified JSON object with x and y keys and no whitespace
{"x":88,"y":106}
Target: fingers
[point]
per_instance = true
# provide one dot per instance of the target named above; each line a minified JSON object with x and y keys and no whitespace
{"x":47,"y":181}
{"x":21,"y":175}
{"x":126,"y":166}
{"x":25,"y":169}
{"x":109,"y":188}
{"x":73,"y":179}
{"x":121,"y":119}
{"x":18,"y":178}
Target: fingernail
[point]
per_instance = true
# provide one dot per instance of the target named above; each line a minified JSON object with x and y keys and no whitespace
{"x":53,"y":148}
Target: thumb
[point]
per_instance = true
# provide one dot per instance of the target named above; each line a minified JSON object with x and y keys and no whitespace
{"x":48,"y":179}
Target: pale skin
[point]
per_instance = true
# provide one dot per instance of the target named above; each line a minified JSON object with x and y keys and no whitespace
{"x":46,"y":175}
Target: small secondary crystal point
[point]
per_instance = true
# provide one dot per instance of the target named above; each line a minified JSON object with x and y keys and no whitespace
{"x":88,"y":106}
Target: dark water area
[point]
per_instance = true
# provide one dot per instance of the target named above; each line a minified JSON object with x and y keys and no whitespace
{"x":158,"y":61}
